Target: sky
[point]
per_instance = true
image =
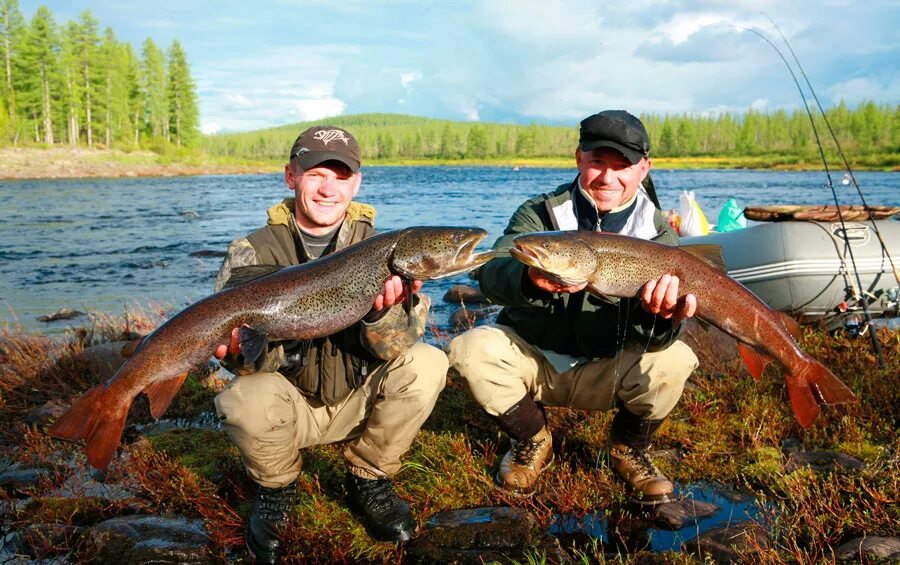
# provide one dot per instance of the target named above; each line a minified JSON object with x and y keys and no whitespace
{"x":267,"y":63}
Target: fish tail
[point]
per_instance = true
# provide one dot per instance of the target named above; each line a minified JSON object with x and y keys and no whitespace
{"x":97,"y":421}
{"x":813,"y":384}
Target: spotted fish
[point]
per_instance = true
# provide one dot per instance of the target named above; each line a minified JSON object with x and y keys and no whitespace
{"x":300,"y":302}
{"x":615,"y":265}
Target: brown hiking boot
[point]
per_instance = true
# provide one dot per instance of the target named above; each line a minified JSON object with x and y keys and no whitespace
{"x":647,"y":484}
{"x":524,"y":461}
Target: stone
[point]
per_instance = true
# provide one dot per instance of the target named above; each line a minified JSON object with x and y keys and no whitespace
{"x":821,"y":461}
{"x":104,"y":359}
{"x":62,"y":314}
{"x":728,"y":543}
{"x":47,"y":412}
{"x":676,"y":515}
{"x":862,"y":548}
{"x":150,"y":539}
{"x":21,"y":480}
{"x":466,"y":318}
{"x":461,"y":293}
{"x":208,"y":253}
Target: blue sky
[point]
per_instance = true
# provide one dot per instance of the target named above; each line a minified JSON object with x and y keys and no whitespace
{"x":261,"y":64}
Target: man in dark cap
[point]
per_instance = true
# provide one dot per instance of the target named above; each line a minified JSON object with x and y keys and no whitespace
{"x":556,"y":345}
{"x":373,"y":384}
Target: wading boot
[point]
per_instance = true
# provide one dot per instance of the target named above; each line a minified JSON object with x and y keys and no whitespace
{"x":630,"y":438}
{"x":384,"y":514}
{"x":269,"y":516}
{"x":524,"y":461}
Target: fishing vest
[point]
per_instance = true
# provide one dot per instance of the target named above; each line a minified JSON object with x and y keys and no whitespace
{"x":327,"y":368}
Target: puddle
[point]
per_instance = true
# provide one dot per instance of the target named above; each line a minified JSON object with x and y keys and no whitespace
{"x":638,"y":530}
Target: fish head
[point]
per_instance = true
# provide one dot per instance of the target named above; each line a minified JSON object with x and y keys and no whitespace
{"x":427,"y":253}
{"x":563,"y":255}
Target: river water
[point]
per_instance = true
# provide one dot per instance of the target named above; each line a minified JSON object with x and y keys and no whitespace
{"x":106,"y":245}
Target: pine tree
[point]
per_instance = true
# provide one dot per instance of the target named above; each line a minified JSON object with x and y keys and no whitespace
{"x":86,"y":44}
{"x":12,"y":29}
{"x":38,"y":69}
{"x":153,"y":88}
{"x":184,"y":116}
{"x":72,"y":87}
{"x":477,"y":143}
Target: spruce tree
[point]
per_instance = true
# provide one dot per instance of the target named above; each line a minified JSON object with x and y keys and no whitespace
{"x":12,"y":29}
{"x":86,"y":44}
{"x":38,"y":69}
{"x":184,"y":116}
{"x":153,"y":88}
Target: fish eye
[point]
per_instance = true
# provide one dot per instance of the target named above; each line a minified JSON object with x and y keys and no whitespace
{"x":456,"y":237}
{"x":546,"y":245}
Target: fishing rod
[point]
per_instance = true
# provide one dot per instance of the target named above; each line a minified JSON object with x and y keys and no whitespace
{"x":876,"y":345}
{"x":840,"y":151}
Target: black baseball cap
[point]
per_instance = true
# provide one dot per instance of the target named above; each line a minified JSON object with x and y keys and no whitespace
{"x":616,"y":129}
{"x":326,"y":143}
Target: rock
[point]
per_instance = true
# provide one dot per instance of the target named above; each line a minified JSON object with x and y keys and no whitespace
{"x":461,"y":293}
{"x":465,"y":318}
{"x":22,"y":479}
{"x":44,"y":414}
{"x":481,"y":535}
{"x":46,"y":540}
{"x":62,"y":314}
{"x":676,"y":515}
{"x":150,"y":539}
{"x":790,"y":445}
{"x":208,"y":253}
{"x":860,"y":549}
{"x":130,"y":174}
{"x":104,"y":359}
{"x":728,"y":543}
{"x":821,"y":461}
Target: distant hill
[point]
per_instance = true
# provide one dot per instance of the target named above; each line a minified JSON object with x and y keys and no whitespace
{"x":868,"y":131}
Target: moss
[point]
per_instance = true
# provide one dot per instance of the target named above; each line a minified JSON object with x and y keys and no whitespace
{"x":206,"y":452}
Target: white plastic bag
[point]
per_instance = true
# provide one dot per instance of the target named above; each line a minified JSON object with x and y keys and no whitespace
{"x":693,"y":222}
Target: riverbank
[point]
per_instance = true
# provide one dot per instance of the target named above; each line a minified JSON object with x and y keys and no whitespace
{"x":823,"y":494}
{"x":37,"y":163}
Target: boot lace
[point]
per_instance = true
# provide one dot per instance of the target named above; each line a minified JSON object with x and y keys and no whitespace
{"x":643,"y":463}
{"x":524,"y":452}
{"x":275,"y":504}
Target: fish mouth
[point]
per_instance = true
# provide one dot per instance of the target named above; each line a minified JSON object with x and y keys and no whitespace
{"x":532,"y":256}
{"x":466,"y":258}
{"x":526,"y":255}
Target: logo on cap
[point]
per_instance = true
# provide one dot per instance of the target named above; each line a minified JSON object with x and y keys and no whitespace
{"x":327,"y":136}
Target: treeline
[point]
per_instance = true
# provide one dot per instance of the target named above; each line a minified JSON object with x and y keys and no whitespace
{"x":866,"y":129}
{"x":75,"y":85}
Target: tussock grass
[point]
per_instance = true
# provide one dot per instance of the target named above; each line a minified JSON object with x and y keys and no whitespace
{"x":727,"y":428}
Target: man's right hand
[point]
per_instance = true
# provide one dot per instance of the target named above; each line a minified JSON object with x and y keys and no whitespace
{"x":540,"y":279}
{"x":234,"y":347}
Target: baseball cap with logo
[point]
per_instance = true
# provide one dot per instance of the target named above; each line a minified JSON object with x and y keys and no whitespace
{"x":326,"y":143}
{"x":616,"y":129}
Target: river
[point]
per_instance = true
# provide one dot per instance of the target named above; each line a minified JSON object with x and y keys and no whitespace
{"x":106,"y":245}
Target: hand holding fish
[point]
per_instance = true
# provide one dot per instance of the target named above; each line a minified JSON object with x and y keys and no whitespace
{"x":660,"y":297}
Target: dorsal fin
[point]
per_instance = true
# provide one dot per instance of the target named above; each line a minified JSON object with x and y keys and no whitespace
{"x":241,"y":275}
{"x":710,"y":253}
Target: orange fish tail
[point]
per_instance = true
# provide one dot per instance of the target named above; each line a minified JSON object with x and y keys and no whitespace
{"x":97,"y":421}
{"x":827,"y":387}
{"x":806,"y":408}
{"x":813,"y":384}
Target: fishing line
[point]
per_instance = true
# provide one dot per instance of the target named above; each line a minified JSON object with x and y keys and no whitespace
{"x":864,"y":303}
{"x":840,"y":151}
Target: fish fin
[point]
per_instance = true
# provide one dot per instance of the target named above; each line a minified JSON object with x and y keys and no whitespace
{"x":827,"y":387}
{"x":754,"y":360}
{"x":791,"y":325}
{"x":597,"y":292}
{"x":129,"y":348}
{"x":804,"y":403}
{"x":709,"y":253}
{"x":247,"y":273}
{"x":253,"y":344}
{"x":408,"y":303}
{"x":161,"y":393}
{"x":98,"y":421}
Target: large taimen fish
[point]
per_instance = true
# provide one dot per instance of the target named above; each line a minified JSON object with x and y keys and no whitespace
{"x":616,"y":265}
{"x":300,"y":302}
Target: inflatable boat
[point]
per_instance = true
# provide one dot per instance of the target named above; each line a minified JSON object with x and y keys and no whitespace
{"x":809,"y":269}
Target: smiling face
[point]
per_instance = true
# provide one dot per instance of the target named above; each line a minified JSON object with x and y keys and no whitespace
{"x":608,"y":177}
{"x":322,"y":194}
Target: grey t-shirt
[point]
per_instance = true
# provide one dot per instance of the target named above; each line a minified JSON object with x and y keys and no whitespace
{"x":318,"y":245}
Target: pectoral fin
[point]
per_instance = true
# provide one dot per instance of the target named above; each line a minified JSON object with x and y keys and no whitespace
{"x":247,"y":273}
{"x":253,"y":344}
{"x":161,"y":393}
{"x":597,"y":292}
{"x":756,"y":362}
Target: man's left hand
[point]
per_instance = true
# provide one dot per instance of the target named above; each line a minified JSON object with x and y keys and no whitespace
{"x":660,"y":297}
{"x":394,"y":293}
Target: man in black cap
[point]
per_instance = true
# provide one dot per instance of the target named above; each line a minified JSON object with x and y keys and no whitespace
{"x":373,"y":384}
{"x":556,"y":345}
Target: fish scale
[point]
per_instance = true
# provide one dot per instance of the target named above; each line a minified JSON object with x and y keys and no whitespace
{"x":301,"y":302}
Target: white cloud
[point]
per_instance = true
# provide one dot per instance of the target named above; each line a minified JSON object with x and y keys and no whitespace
{"x":316,"y":108}
{"x":238,"y":101}
{"x":210,"y":128}
{"x":407,"y":79}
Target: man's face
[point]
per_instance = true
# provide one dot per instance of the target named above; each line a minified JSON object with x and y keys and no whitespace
{"x":610,"y":178}
{"x":322,"y":193}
